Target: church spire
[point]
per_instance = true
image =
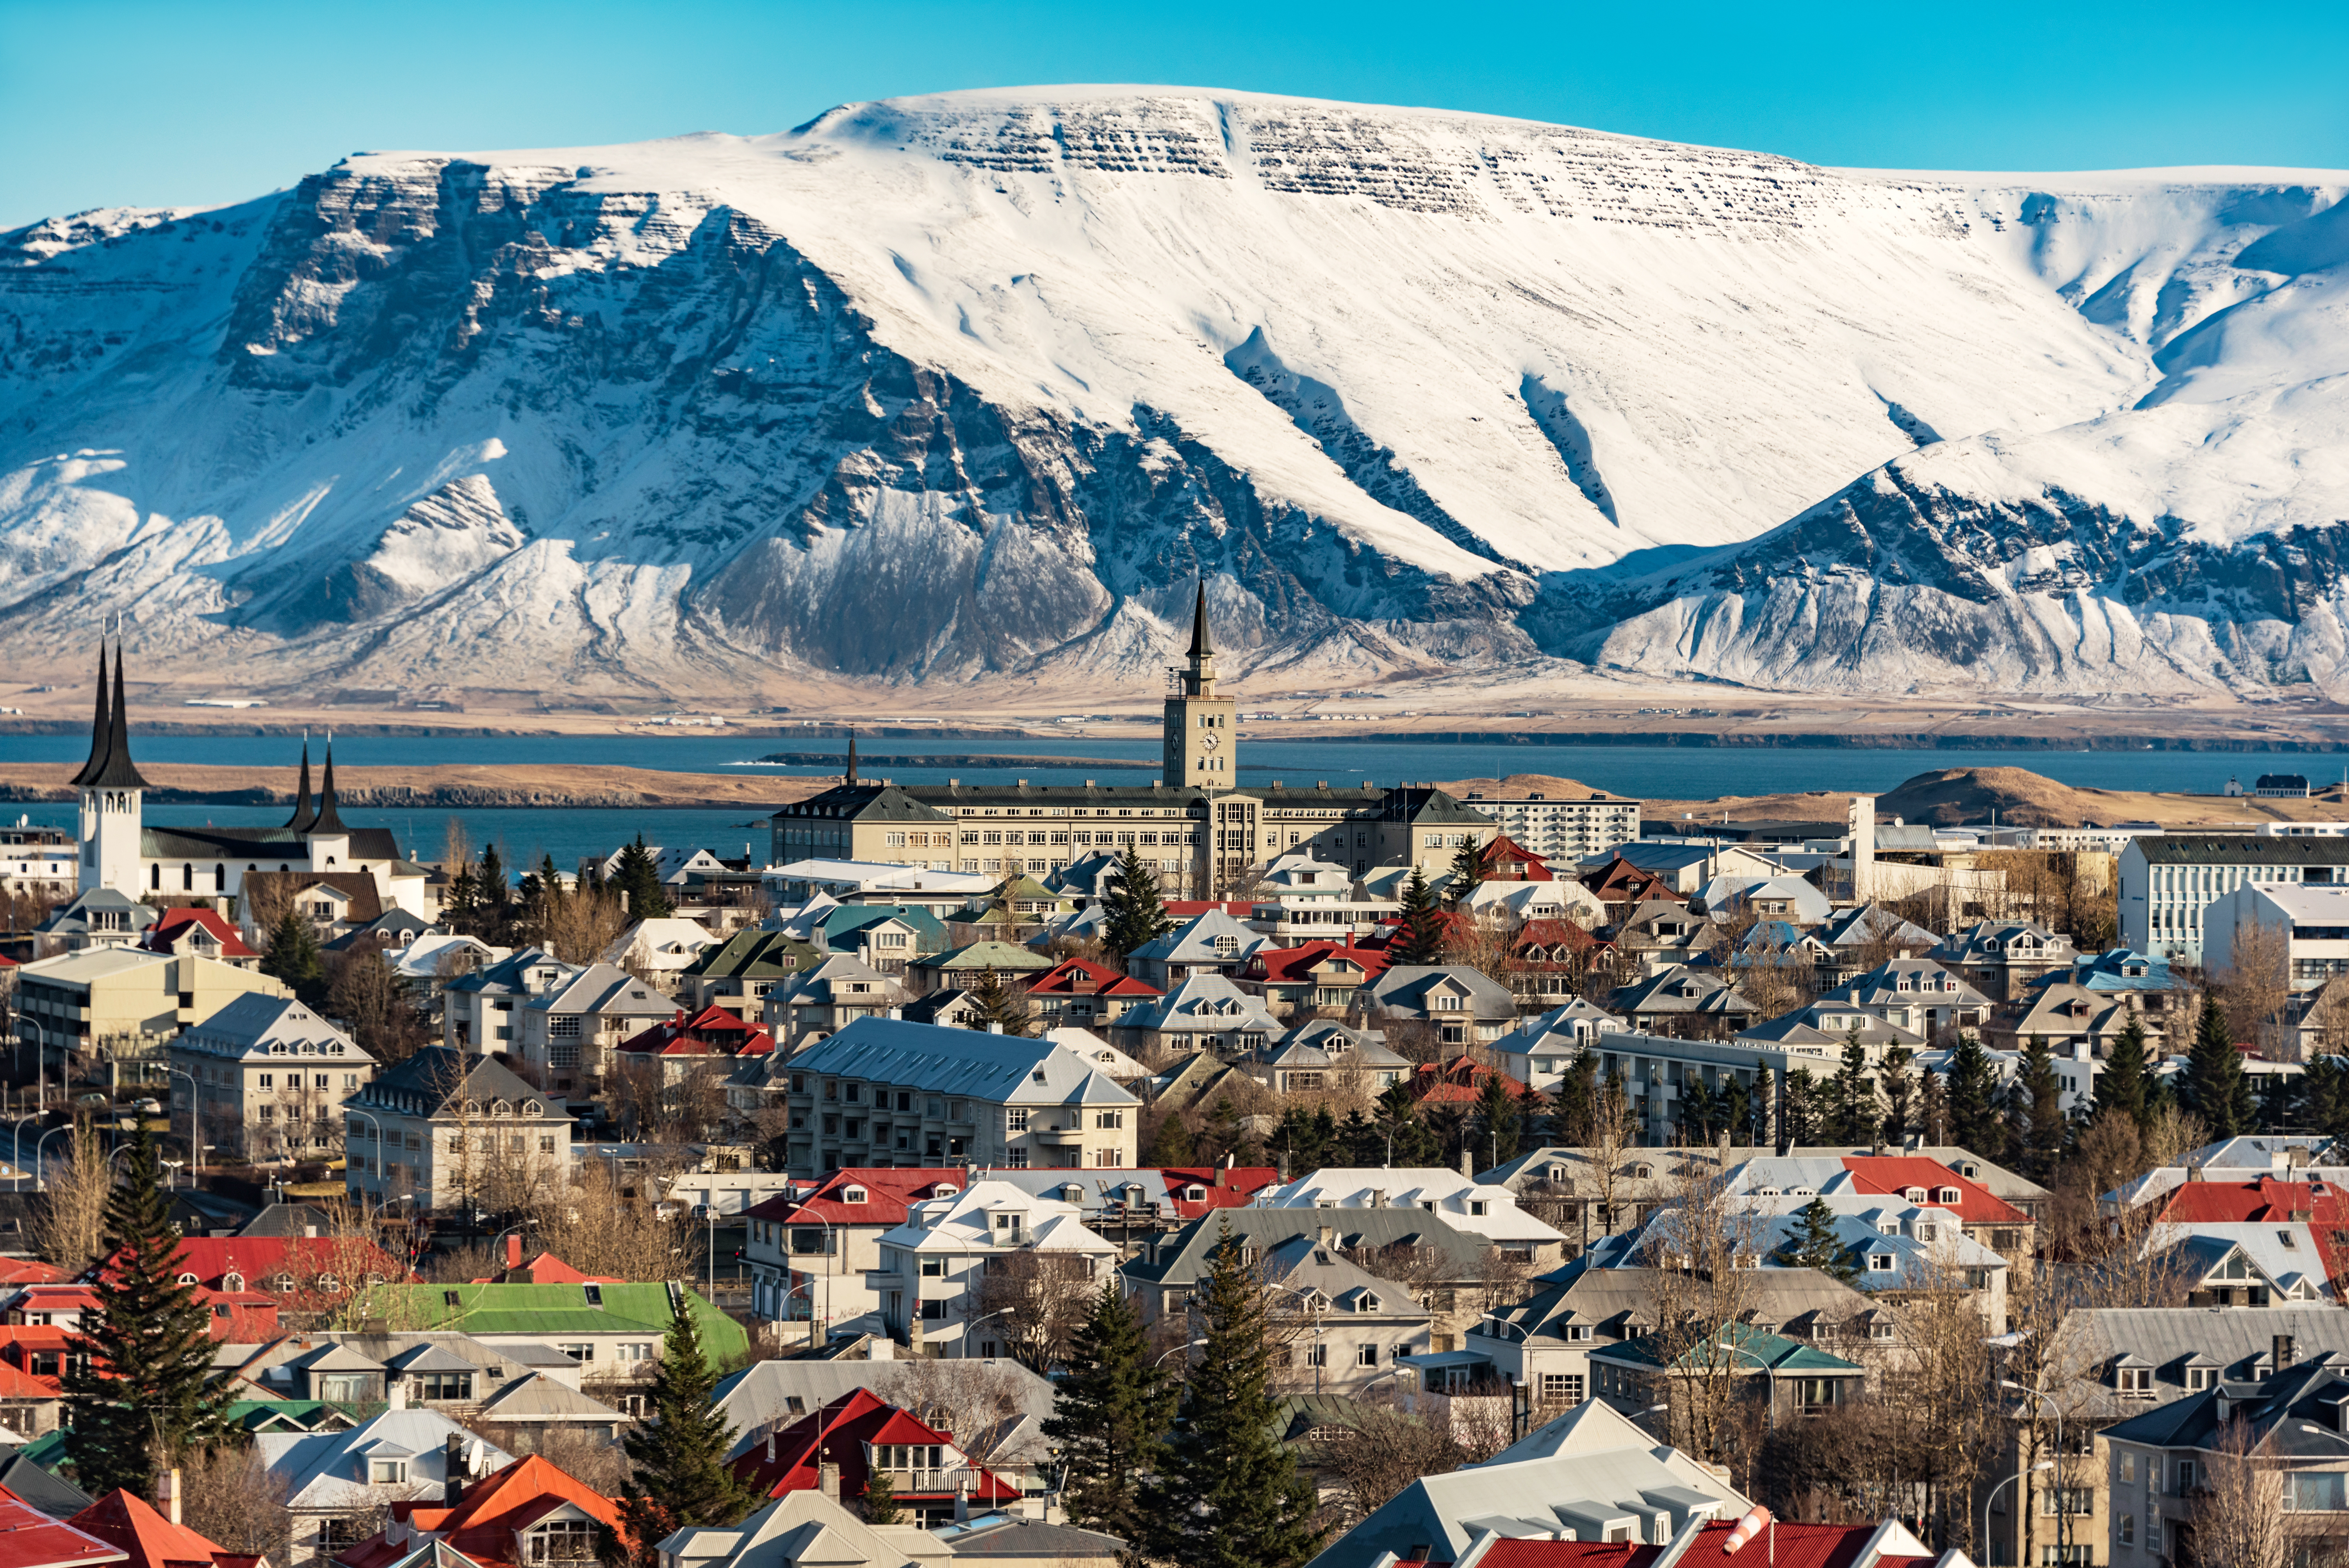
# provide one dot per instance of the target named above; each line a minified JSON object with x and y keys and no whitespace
{"x":116,"y":771}
{"x":304,"y":813}
{"x":1203,"y":647}
{"x":328,"y":820}
{"x":99,"y":725}
{"x":852,"y":756}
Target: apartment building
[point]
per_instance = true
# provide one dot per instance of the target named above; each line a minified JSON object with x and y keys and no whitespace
{"x":1571,"y":827}
{"x":885,"y":1091}
{"x":565,"y":1033}
{"x":444,"y":1127}
{"x":121,"y":1005}
{"x":266,"y":1079}
{"x":2168,"y":880}
{"x":2311,"y":922}
{"x":810,"y":1250}
{"x":933,"y":1268}
{"x":477,"y":1010}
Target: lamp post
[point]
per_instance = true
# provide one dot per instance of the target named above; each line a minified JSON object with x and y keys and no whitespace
{"x":40,"y":1182}
{"x":969,"y":1323}
{"x":1192,"y":1345}
{"x":350,"y":1109}
{"x":829,"y":1243}
{"x":1992,"y":1497}
{"x":2060,"y":1499}
{"x":171,"y":1173}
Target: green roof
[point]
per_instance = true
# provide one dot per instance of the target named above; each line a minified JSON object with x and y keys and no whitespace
{"x":552,"y":1312}
{"x":1754,"y":1348}
{"x":285,"y":1415}
{"x":758,"y":954}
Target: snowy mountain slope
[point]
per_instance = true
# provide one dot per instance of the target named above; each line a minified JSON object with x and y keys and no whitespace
{"x":942,"y":388}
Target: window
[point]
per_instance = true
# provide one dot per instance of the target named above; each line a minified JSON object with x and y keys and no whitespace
{"x":636,"y":1350}
{"x":1317,"y":1356}
{"x":2125,"y":1468}
{"x":934,"y":1310}
{"x":1881,"y":1263}
{"x":563,"y":1540}
{"x":1015,"y":1122}
{"x":933,"y":1268}
{"x":2137,"y":1380}
{"x":1561,"y":1389}
{"x":579,"y":1353}
{"x":445,"y":1386}
{"x":2185,"y":1478}
{"x":2307,"y":1491}
{"x":2198,"y":1378}
{"x":1366,"y":1356}
{"x":2075,"y":1501}
{"x":1109,"y":1119}
{"x":2128,"y":1529}
{"x":387,"y":1473}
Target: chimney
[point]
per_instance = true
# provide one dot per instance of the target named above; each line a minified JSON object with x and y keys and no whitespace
{"x":770,"y":1442}
{"x":452,"y":1462}
{"x":2280,"y":1351}
{"x":167,"y":1493}
{"x":995,"y":1029}
{"x":396,"y":1395}
{"x":962,"y":1501}
{"x":513,"y":1251}
{"x":828,"y":1480}
{"x":1467,"y":1163}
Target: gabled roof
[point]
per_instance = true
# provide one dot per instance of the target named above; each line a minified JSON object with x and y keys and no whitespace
{"x":1204,"y":1003}
{"x":1082,"y":978}
{"x":31,"y":1538}
{"x":713,"y":1031}
{"x":541,"y":1311}
{"x":1892,"y":1174}
{"x":886,"y":1194}
{"x":1003,"y":1070}
{"x":148,"y":1538}
{"x":437,"y":1078}
{"x":178,"y":924}
{"x":754,"y":956}
{"x":539,"y":1398}
{"x":841,"y":1430}
{"x":1292,"y":965}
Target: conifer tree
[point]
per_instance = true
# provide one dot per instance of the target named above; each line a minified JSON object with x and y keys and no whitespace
{"x":1420,"y":938}
{"x":294,"y":958}
{"x":2121,"y":1086}
{"x":1974,"y":1122}
{"x":1699,"y":1111}
{"x":1800,"y":1107}
{"x":1813,"y":1244}
{"x":995,"y":1003}
{"x":880,"y":1497}
{"x":1499,"y":1121}
{"x":491,"y":887}
{"x":1467,"y":870}
{"x":1111,"y":1418}
{"x":1226,"y":1494}
{"x":1400,"y":1130}
{"x":1932,"y":1109}
{"x":2215,"y":1086}
{"x":1852,"y":1118}
{"x":2279,"y":1103}
{"x":139,"y":1369}
{"x":2035,"y":1102}
{"x":680,"y":1475}
{"x":1899,"y":1094}
{"x":1133,"y":913}
{"x":1171,"y":1145}
{"x":637,"y":878}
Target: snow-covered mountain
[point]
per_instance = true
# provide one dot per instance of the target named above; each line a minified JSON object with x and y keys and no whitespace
{"x":940,"y":389}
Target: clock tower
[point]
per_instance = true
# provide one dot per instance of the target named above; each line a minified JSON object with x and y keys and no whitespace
{"x":1201,"y":728}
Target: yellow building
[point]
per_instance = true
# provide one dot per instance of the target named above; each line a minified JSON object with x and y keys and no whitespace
{"x":94,"y":1012}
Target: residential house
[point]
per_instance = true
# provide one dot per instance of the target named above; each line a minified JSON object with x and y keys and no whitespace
{"x":1865,"y":936}
{"x":477,"y":1008}
{"x":204,"y":933}
{"x":1204,"y":1013}
{"x":1684,"y":1002}
{"x":738,"y":973}
{"x":1212,"y":942}
{"x":1459,"y":1082}
{"x":1656,"y":933}
{"x":2009,"y":1187}
{"x":334,"y":903}
{"x":1590,"y":1475}
{"x":1542,"y":1050}
{"x":112,"y":1011}
{"x":811,"y":1253}
{"x":931,"y":1269}
{"x":661,"y":948}
{"x":888,"y":937}
{"x":40,"y":1539}
{"x":337,"y":1483}
{"x":839,"y":1449}
{"x":529,"y":1514}
{"x":1857,"y":1182}
{"x":1785,"y":896}
{"x":1583,"y":1197}
{"x":681,"y":1042}
{"x":1784,"y":1378}
{"x":394,"y":928}
{"x":267,"y":1077}
{"x":767,"y":1396}
{"x":1830,"y":1027}
{"x":1345,"y":1328}
{"x":1318,"y":979}
{"x":2000,"y":958}
{"x":611,"y":1332}
{"x":567,"y":1031}
{"x":442,"y":1127}
{"x":95,"y":917}
{"x":150,"y":1540}
{"x":1917,"y":995}
{"x":885,"y":1090}
{"x":1080,"y":994}
{"x":1480,"y":1208}
{"x":1510,"y":904}
{"x":784,"y":1534}
{"x":1889,"y":1544}
{"x":1623,"y":886}
{"x":1326,"y":1055}
{"x":673,"y":864}
{"x":964,"y":968}
{"x":1453,"y":1004}
{"x":1104,"y":1057}
{"x":1550,"y":960}
{"x":827,"y":998}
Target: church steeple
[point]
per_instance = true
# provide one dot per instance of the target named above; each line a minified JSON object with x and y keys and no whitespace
{"x":115,"y":771}
{"x":303,"y":812}
{"x":852,"y":756}
{"x":1201,"y":729}
{"x":1199,"y":678}
{"x":111,"y":788}
{"x":99,"y":726}
{"x":328,"y":822}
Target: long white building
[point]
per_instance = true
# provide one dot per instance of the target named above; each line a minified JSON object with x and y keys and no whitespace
{"x":2168,"y":882}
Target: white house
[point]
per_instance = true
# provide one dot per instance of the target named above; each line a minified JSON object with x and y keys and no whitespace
{"x":2312,"y":920}
{"x":1463,"y":1203}
{"x":269,"y":1077}
{"x":443,"y":1127}
{"x":932,"y":1267}
{"x":660,"y":946}
{"x":1544,"y":1048}
{"x":337,"y":1483}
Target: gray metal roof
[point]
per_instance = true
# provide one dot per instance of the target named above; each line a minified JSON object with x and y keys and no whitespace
{"x":1181,"y":1258}
{"x":2239,"y":850}
{"x":1002,"y":1070}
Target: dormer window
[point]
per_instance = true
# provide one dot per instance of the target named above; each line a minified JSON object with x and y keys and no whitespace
{"x":1366,"y":1302}
{"x":852,"y":1195}
{"x":1913,"y":1195}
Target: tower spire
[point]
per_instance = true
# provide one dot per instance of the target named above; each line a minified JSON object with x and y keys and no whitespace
{"x":1203,"y":645}
{"x":116,"y":771}
{"x":99,"y":725}
{"x":328,"y":820}
{"x":852,"y":755}
{"x":304,"y":813}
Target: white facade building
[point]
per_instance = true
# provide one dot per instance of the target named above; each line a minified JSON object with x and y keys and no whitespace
{"x":1461,"y":1201}
{"x":932,"y":1266}
{"x":2167,"y":881}
{"x":1565,"y":828}
{"x":2312,"y":920}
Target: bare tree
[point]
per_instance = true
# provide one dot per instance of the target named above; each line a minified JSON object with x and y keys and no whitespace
{"x":578,"y":926}
{"x":2238,"y":1519}
{"x":978,"y":1403}
{"x":69,"y":1227}
{"x":579,"y":1453}
{"x":599,"y":1229}
{"x":2257,"y":982}
{"x":1609,"y":1138}
{"x":1482,"y":1421}
{"x":1384,"y":1451}
{"x":1043,"y":1299}
{"x":1705,"y":1248}
{"x":1505,"y":1279}
{"x":365,"y":994}
{"x":232,"y":1499}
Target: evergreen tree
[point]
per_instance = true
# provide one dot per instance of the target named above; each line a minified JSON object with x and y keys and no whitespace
{"x":1974,"y":1123}
{"x":1852,"y":1117}
{"x":1111,"y":1418}
{"x":994,"y":1003}
{"x":1227,"y":1493}
{"x":2121,"y":1086}
{"x":294,"y":958}
{"x":1699,"y":1111}
{"x":1932,"y":1109}
{"x":1134,"y":912}
{"x":1466,"y":873}
{"x":1572,"y":1101}
{"x":492,"y":888}
{"x":2279,"y":1103}
{"x":1813,"y":1244}
{"x":2325,"y":1091}
{"x":1360,"y":1137}
{"x":140,"y":1370}
{"x":1736,"y":1107}
{"x":2215,"y":1086}
{"x":1171,"y":1145}
{"x":1499,"y":1122}
{"x":1400,"y":1130}
{"x":680,"y":1475}
{"x":637,"y":878}
{"x":1899,"y":1104}
{"x":457,"y":905}
{"x":2035,"y":1101}
{"x":1420,"y":938}
{"x":1799,"y":1110}
{"x":881,"y":1497}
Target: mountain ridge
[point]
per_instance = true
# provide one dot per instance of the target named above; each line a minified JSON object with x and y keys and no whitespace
{"x":967,"y":388}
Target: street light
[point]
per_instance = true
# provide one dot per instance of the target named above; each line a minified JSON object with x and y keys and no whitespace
{"x":2005,"y":1480}
{"x":350,"y":1109}
{"x":971,"y":1323}
{"x":1193,"y":1345}
{"x":171,"y":1173}
{"x":2060,"y":1499}
{"x":40,"y":1183}
{"x":195,"y":1117}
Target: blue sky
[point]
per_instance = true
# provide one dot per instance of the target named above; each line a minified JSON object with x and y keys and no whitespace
{"x":106,"y":102}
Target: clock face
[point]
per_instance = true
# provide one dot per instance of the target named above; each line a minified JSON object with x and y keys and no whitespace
{"x":1210,"y":741}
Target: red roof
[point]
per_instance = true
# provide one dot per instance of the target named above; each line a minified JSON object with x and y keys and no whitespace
{"x":713,"y":1031}
{"x":493,"y":1512}
{"x":1620,"y":882}
{"x":1459,"y":1081}
{"x":1286,"y":965}
{"x":29,"y":1271}
{"x":1503,"y":849}
{"x":18,"y":1384}
{"x":31,"y":1538}
{"x":177,"y":922}
{"x":544,"y":1269}
{"x":149,"y":1540}
{"x":256,"y":1261}
{"x":1553,"y":933}
{"x":1192,"y":908}
{"x":1080,"y":977}
{"x":1890,"y":1175}
{"x":2220,"y":1202}
{"x":1779,"y":1546}
{"x":1225,"y":1186}
{"x":841,"y":1430}
{"x":887,"y":1196}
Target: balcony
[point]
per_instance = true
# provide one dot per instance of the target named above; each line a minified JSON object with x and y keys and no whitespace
{"x":1058,"y":1135}
{"x":933,"y":1480}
